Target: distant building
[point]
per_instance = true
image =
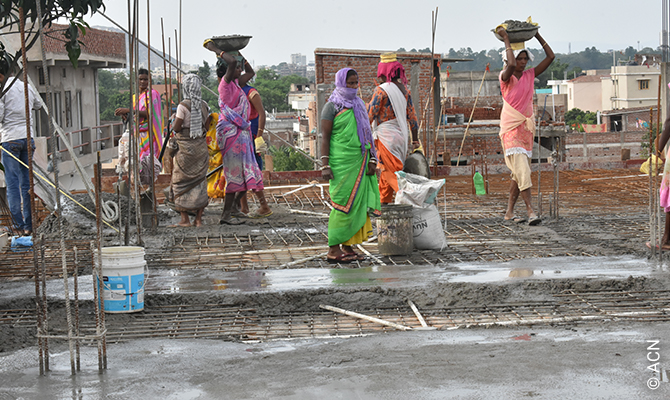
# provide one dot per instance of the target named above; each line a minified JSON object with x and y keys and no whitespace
{"x":584,"y":92}
{"x":299,"y":59}
{"x":300,"y":96}
{"x":630,"y":86}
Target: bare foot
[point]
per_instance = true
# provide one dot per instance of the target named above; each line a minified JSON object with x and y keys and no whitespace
{"x":197,"y":223}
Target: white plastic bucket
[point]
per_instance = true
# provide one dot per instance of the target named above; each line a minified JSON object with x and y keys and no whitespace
{"x":123,"y":279}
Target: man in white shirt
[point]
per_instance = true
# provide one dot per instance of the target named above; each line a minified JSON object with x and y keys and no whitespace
{"x":13,"y":137}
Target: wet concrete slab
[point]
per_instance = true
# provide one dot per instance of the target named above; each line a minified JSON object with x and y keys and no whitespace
{"x":549,"y":363}
{"x":389,"y":276}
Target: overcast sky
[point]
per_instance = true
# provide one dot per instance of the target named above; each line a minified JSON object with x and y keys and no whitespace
{"x":283,"y":27}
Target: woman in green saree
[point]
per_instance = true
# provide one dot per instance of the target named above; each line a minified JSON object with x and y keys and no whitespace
{"x":349,"y":163}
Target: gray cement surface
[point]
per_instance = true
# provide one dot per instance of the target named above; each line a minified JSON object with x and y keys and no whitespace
{"x":580,"y":362}
{"x":596,"y":246}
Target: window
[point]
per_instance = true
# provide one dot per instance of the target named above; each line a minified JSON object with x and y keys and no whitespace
{"x":68,"y":109}
{"x":64,"y":73}
{"x":643,"y":84}
{"x":40,"y":73}
{"x":80,"y":107}
{"x":58,"y":109}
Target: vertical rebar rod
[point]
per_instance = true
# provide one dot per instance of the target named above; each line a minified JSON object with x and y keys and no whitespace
{"x":68,"y":312}
{"x":557,"y":144}
{"x":28,"y":111}
{"x":136,"y":170}
{"x":130,"y":120}
{"x":657,"y":151}
{"x":45,"y":314}
{"x":75,"y":277}
{"x":98,"y":217}
{"x":97,"y":298}
{"x":180,"y":53}
{"x":177,"y":54}
{"x":652,"y":195}
{"x":40,"y":308}
{"x":151,"y":116}
{"x":38,"y":312}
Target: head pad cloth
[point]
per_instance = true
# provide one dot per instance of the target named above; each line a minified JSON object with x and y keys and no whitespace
{"x":389,"y":67}
{"x":192,"y":90}
{"x":516,"y":52}
{"x":344,"y":97}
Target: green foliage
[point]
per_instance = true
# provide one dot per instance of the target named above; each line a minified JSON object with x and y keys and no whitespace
{"x":644,"y":145}
{"x":205,"y":73}
{"x":572,"y":64}
{"x":113,"y":91}
{"x":274,"y":89}
{"x":51,"y":11}
{"x":287,"y":159}
{"x":575,"y":117}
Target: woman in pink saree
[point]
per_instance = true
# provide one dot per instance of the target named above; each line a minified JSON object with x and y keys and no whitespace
{"x":148,"y":107}
{"x":517,"y":120}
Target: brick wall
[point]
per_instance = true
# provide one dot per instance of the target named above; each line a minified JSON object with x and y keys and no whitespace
{"x":329,"y":61}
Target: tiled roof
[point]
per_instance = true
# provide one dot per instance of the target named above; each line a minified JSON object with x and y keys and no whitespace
{"x":628,"y":110}
{"x":96,"y":42}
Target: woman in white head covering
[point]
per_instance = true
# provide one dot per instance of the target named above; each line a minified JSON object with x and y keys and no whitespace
{"x":188,"y":187}
{"x":517,"y":120}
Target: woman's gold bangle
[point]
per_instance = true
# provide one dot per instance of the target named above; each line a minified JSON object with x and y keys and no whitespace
{"x":545,"y":44}
{"x":508,"y":48}
{"x":221,"y":54}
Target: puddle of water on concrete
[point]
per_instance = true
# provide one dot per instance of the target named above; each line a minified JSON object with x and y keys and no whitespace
{"x":173,"y":281}
{"x":554,"y":268}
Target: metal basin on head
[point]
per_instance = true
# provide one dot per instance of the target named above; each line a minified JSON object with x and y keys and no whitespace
{"x":231,"y":42}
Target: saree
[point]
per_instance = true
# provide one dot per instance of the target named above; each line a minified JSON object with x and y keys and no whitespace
{"x":216,"y":183}
{"x":233,"y":136}
{"x":188,"y":187}
{"x":517,"y":119}
{"x":352,"y":192}
{"x":392,"y":139}
{"x":155,"y":108}
{"x":665,"y":184}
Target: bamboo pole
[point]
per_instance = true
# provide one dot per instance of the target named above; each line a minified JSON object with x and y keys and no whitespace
{"x":366,"y":317}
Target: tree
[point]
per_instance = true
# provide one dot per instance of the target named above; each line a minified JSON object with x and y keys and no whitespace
{"x":287,"y":159}
{"x":575,"y":117}
{"x":113,"y":93}
{"x":51,"y":11}
{"x":274,"y":89}
{"x":205,"y":73}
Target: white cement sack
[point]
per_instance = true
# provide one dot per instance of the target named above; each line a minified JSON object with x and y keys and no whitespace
{"x":428,"y":233}
{"x":416,"y":190}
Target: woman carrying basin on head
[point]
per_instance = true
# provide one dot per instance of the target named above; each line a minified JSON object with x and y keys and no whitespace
{"x":349,"y":163}
{"x":517,"y":120}
{"x":233,"y":135}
